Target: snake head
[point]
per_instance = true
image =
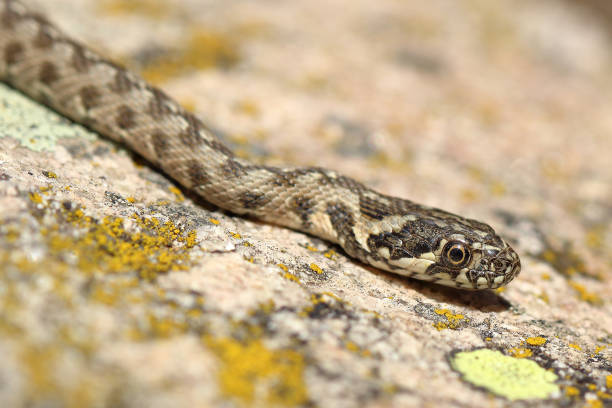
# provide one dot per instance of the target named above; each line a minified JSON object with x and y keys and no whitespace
{"x":447,"y":249}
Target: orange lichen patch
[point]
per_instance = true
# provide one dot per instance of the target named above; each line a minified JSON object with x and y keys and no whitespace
{"x":203,"y":50}
{"x":178,"y":193}
{"x":256,"y":375}
{"x":323,"y":301}
{"x":353,"y":347}
{"x":165,"y":327}
{"x":453,"y":320}
{"x":316,"y":268}
{"x":81,"y":265}
{"x":148,"y":248}
{"x":544,"y":297}
{"x":609,"y":382}
{"x":520,"y":352}
{"x":288,"y":275}
{"x":39,"y":364}
{"x":311,"y":248}
{"x":536,"y":341}
{"x":585,"y":295}
{"x":595,"y":238}
{"x":599,"y":349}
{"x":235,"y":235}
{"x":248,"y":107}
{"x":155,"y":9}
{"x":291,"y":277}
{"x":497,"y":188}
{"x":330,"y":254}
{"x":603,"y":395}
{"x":36,"y":198}
{"x":571,"y":392}
{"x":594,"y":403}
{"x":567,"y":261}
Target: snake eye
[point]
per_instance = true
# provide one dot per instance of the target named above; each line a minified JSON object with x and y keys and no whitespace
{"x":456,"y":254}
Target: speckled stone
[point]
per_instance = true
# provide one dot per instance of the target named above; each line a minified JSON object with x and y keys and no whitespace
{"x":119,"y":289}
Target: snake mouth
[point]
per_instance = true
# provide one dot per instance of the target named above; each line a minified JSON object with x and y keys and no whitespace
{"x":503,"y":267}
{"x":494,"y":268}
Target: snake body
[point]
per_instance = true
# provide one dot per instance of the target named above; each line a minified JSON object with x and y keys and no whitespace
{"x":390,"y":233}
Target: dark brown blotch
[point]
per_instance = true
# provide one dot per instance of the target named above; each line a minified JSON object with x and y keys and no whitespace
{"x":342,"y":221}
{"x":373,"y":209}
{"x":231,"y":168}
{"x":125,"y":118}
{"x":219,"y":147}
{"x":48,"y":73}
{"x":122,"y":82}
{"x":43,"y":39}
{"x":196,"y":173}
{"x":252,"y":200}
{"x":160,"y":143}
{"x":348,"y":183}
{"x":289,"y":178}
{"x":13,"y":52}
{"x":191,"y":136}
{"x":9,"y":17}
{"x":158,"y":104}
{"x":79,"y":60}
{"x":303,"y":207}
{"x":90,"y":96}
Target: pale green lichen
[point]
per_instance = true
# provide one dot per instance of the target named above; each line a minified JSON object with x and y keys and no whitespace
{"x":34,"y":126}
{"x":510,"y":377}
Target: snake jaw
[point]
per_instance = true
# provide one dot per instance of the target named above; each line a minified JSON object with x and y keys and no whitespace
{"x":491,"y":268}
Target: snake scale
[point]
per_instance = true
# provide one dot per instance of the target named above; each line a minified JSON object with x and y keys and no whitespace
{"x":389,"y":233}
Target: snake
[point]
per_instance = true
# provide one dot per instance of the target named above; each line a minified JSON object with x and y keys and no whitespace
{"x":389,"y":233}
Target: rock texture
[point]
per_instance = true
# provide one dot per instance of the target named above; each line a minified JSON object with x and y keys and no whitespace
{"x":117,"y":288}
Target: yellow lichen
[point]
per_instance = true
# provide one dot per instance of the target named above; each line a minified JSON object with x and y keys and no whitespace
{"x":453,"y":320}
{"x":585,"y":295}
{"x":330,"y":254}
{"x":520,"y":352}
{"x":248,"y":107}
{"x":316,"y":268}
{"x":178,"y":193}
{"x":36,"y":198}
{"x":257,"y":375}
{"x":571,"y":391}
{"x":152,"y":8}
{"x":353,"y":347}
{"x":575,"y":346}
{"x":536,"y":341}
{"x":203,"y":50}
{"x":291,"y":277}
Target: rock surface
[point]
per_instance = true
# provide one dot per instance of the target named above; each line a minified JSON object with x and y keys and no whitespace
{"x":119,"y":289}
